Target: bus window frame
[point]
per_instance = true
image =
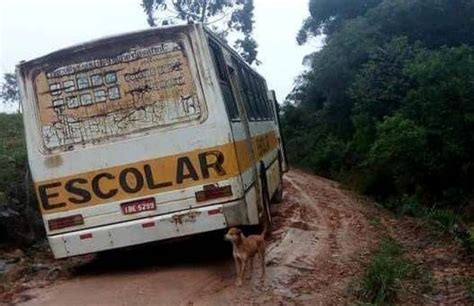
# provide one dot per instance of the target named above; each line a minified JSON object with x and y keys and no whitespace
{"x":266,"y":101}
{"x":255,"y":98}
{"x":221,"y":69}
{"x":262,"y":104}
{"x":243,"y":87}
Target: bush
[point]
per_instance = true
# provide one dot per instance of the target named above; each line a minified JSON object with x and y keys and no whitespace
{"x":442,"y":219}
{"x":327,"y":156}
{"x":470,"y":288}
{"x":384,"y":274}
{"x":20,"y":221}
{"x":406,"y":205}
{"x":396,"y":157}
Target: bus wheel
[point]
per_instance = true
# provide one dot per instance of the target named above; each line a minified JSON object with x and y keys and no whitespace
{"x":278,"y":196}
{"x":267,"y":216}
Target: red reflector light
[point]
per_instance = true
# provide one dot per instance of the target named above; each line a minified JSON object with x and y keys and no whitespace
{"x":210,"y":192}
{"x":148,"y":224}
{"x":59,"y":223}
{"x":86,"y":236}
{"x":214,"y":211}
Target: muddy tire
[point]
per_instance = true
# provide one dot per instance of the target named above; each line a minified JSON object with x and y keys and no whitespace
{"x":278,"y":195}
{"x":266,"y":216}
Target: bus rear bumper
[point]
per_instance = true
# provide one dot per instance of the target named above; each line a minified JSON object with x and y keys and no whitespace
{"x":135,"y":232}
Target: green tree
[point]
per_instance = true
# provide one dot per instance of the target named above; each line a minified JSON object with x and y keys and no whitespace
{"x":377,"y":90}
{"x":441,"y":101}
{"x":222,"y":16}
{"x":327,"y":16}
{"x":9,"y":91}
{"x":397,"y":157}
{"x":386,"y":104}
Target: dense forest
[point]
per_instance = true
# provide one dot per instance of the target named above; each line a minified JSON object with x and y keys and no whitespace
{"x":386,"y":105}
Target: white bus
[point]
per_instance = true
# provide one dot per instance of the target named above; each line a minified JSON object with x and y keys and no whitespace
{"x":148,"y":136}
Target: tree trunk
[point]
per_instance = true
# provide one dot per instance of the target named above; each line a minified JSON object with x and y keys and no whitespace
{"x":204,"y":10}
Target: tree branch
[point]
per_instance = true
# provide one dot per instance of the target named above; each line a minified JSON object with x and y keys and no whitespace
{"x":204,"y":9}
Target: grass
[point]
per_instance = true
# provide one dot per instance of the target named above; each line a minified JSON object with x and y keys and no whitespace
{"x":440,"y":220}
{"x":387,"y":271}
{"x":375,"y":221}
{"x":469,"y":241}
{"x":381,"y":280}
{"x":470,"y":288}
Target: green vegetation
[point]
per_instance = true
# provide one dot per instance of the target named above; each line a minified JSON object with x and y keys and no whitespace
{"x":470,"y":288}
{"x":12,"y":159}
{"x":386,"y":105}
{"x":442,"y":220}
{"x":19,"y":220}
{"x":9,"y":92}
{"x":384,"y":276}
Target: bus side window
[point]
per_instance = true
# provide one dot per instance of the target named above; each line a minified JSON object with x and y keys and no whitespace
{"x":244,"y":89}
{"x":261,"y":101}
{"x":251,"y":93}
{"x":257,"y":98}
{"x":266,"y":101}
{"x":224,"y":81}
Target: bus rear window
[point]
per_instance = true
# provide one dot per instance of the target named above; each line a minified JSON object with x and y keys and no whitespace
{"x":106,"y":97}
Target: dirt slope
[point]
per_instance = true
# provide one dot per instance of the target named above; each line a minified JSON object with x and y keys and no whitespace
{"x":322,"y":239}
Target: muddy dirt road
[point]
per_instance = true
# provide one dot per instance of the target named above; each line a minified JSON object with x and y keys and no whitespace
{"x":319,"y":236}
{"x":322,"y":238}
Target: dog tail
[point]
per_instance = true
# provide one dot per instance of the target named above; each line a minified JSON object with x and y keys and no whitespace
{"x":265,"y":230}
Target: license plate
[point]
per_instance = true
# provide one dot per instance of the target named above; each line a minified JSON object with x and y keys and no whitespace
{"x":138,"y":206}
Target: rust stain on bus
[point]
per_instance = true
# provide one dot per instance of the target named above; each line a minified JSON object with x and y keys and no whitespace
{"x":53,"y":161}
{"x":188,"y":217}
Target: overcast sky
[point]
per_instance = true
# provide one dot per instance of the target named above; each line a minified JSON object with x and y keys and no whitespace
{"x":31,"y":28}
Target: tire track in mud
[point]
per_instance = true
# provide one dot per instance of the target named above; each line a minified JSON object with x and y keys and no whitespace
{"x":325,"y":236}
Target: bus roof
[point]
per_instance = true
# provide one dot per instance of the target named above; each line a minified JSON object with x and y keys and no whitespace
{"x":99,"y":42}
{"x":59,"y":54}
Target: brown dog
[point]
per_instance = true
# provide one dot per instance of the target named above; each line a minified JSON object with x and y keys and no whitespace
{"x":244,"y":252}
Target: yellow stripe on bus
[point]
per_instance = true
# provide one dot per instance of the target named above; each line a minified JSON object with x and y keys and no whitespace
{"x":198,"y":167}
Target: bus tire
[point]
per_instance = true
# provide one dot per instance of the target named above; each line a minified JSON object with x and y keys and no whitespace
{"x":267,"y":216}
{"x":278,"y":195}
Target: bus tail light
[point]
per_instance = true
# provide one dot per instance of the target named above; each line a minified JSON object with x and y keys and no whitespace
{"x":211,"y":192}
{"x":86,"y":236}
{"x":59,"y":223}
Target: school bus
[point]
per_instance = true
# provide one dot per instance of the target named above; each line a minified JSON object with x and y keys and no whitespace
{"x":148,"y":136}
